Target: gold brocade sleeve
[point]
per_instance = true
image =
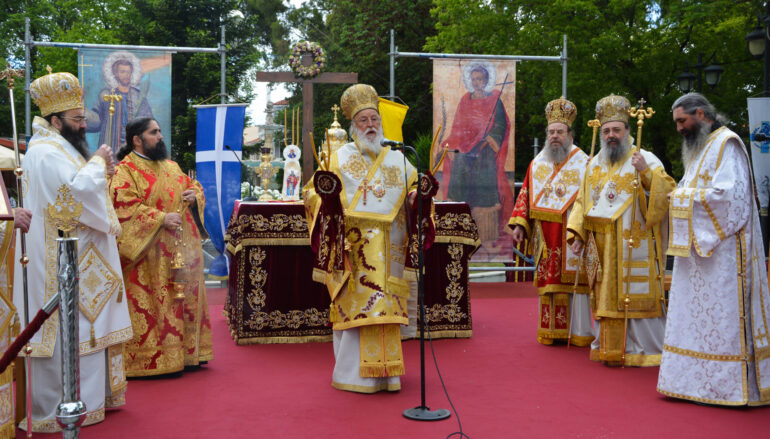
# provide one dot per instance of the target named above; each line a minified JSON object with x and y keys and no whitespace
{"x":312,"y":204}
{"x":660,"y":185}
{"x":200,"y":199}
{"x":575,"y":222}
{"x":140,"y":222}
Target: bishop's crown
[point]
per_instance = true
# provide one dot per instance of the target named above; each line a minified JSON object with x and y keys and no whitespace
{"x":56,"y":92}
{"x":560,"y":110}
{"x":612,"y":108}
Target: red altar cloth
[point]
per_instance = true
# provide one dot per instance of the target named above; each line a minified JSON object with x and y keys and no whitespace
{"x":273,"y":299}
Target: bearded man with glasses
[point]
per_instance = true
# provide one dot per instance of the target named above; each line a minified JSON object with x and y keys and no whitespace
{"x":57,"y":163}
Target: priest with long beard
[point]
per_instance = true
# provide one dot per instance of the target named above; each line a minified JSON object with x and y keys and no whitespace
{"x":540,"y":214}
{"x":58,"y":164}
{"x":627,"y":303}
{"x":357,"y":211}
{"x":716,"y":346}
{"x":161,"y":255}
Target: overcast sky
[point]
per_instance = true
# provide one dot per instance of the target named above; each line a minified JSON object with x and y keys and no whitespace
{"x":257,"y":108}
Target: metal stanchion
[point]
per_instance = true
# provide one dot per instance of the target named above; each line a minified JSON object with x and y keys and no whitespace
{"x":71,"y":412}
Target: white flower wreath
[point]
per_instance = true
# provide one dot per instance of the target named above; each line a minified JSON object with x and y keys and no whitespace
{"x":311,"y":48}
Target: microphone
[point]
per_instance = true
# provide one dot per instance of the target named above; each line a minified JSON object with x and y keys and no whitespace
{"x":395,"y":144}
{"x":235,"y":154}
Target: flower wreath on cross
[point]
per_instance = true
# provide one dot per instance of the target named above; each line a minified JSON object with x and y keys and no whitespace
{"x":315,"y":67}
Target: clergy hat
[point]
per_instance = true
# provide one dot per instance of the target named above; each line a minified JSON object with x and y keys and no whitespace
{"x":359,"y":97}
{"x":560,"y":110}
{"x":56,"y":92}
{"x":612,"y":108}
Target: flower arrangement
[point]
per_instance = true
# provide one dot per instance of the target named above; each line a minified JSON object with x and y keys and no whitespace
{"x":248,"y":190}
{"x":315,"y":68}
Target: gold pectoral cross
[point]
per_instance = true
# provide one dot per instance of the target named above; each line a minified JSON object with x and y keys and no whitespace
{"x":365,"y":186}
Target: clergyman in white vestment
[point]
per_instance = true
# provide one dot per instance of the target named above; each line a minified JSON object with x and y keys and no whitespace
{"x":716,"y":348}
{"x":57,"y":164}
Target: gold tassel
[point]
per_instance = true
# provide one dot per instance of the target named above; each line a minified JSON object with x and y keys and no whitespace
{"x":120,"y":295}
{"x":372,"y":370}
{"x":93,"y":336}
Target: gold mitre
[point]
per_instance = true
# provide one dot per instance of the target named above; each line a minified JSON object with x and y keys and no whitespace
{"x":359,"y":97}
{"x":56,"y":92}
{"x":612,"y":108}
{"x":560,"y":110}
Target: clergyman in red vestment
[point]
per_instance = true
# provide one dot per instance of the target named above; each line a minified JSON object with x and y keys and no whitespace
{"x":156,"y":204}
{"x":542,"y":208}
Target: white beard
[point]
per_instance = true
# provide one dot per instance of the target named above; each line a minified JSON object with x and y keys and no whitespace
{"x":372,"y":147}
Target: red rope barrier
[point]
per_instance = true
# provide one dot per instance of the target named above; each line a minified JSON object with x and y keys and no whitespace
{"x":23,"y":339}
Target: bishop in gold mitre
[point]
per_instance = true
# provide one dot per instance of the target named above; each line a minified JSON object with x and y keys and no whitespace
{"x":540,"y":215}
{"x":626,"y":226}
{"x":362,"y":197}
{"x":60,"y":171}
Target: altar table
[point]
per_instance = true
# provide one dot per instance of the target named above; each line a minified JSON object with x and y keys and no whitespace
{"x":273,"y":299}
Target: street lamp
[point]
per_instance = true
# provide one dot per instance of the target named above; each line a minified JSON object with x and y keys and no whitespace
{"x":713,"y":74}
{"x":758,"y":42}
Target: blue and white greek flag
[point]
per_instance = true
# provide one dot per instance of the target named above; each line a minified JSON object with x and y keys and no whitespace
{"x":219,"y":140}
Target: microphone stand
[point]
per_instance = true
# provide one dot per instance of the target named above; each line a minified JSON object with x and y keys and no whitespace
{"x":421,"y":412}
{"x":251,"y":196}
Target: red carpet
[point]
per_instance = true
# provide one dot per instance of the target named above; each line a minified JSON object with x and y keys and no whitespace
{"x":502,"y":382}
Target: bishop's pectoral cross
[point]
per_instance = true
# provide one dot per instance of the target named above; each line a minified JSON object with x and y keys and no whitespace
{"x":307,"y":103}
{"x":365,"y":186}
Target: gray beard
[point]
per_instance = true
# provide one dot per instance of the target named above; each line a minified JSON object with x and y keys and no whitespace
{"x":363,"y":142}
{"x":557,"y":154}
{"x":614,"y":155}
{"x":693,"y":145}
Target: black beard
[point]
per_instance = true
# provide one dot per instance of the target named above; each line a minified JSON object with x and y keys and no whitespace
{"x":157,"y":153}
{"x":77,"y":139}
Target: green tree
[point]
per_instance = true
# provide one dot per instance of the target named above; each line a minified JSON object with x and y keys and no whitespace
{"x":251,"y":26}
{"x":356,"y":38}
{"x":628,"y":47}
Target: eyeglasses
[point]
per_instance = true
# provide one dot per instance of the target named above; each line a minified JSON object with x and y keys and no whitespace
{"x":78,"y":119}
{"x":366,"y":120}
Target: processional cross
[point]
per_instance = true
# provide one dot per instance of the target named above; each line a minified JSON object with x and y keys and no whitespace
{"x":307,"y":103}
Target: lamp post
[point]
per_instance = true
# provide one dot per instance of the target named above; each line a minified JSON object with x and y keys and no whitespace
{"x":758,"y":42}
{"x":712,"y":72}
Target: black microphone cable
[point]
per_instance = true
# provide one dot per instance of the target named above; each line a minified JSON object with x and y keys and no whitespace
{"x":459,"y":433}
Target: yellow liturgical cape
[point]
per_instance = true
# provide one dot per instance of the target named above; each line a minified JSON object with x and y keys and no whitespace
{"x":604,"y":207}
{"x":9,"y":328}
{"x":376,"y":292}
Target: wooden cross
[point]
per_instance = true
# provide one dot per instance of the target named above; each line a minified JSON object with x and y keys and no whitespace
{"x":307,"y":105}
{"x":365,"y":186}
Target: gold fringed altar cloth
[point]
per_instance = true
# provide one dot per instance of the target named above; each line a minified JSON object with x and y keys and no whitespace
{"x":272,"y":297}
